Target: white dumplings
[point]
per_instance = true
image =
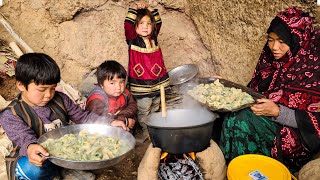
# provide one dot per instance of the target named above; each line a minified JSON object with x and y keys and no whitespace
{"x":85,"y":147}
{"x":217,"y":96}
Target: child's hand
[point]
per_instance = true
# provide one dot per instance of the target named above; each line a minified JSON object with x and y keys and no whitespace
{"x":119,"y":123}
{"x":33,"y":151}
{"x":142,"y":5}
{"x":131,"y":123}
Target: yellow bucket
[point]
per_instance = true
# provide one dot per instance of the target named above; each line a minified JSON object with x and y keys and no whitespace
{"x":253,"y":166}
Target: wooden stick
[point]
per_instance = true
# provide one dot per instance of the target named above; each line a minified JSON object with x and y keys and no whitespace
{"x":16,"y":49}
{"x":163,"y":102}
{"x":16,"y":36}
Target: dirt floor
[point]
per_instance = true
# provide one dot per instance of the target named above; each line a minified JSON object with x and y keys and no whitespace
{"x":127,"y":169}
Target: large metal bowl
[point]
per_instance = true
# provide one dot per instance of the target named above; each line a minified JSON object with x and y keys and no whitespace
{"x":183,"y":73}
{"x":109,"y":131}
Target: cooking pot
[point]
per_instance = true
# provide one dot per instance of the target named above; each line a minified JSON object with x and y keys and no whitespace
{"x":109,"y":131}
{"x":182,"y":131}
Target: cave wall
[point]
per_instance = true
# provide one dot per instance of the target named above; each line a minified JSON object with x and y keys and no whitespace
{"x":222,"y":37}
{"x":235,"y":31}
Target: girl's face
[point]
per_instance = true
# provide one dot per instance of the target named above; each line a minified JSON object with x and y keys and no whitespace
{"x":114,"y":87}
{"x":144,"y":27}
{"x":37,"y":95}
{"x":277,"y":46}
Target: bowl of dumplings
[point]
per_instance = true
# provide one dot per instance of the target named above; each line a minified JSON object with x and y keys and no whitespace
{"x":87,"y":146}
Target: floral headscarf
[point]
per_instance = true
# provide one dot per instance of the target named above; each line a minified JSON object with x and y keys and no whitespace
{"x":294,"y":81}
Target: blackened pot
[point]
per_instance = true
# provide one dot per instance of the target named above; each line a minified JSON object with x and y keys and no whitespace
{"x":183,"y":131}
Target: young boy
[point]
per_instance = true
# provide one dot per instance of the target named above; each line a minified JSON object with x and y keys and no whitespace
{"x":110,"y":96}
{"x":36,"y":110}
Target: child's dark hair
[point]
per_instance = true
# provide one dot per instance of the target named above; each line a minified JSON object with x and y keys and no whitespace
{"x":37,"y":68}
{"x":109,"y":69}
{"x":145,"y":12}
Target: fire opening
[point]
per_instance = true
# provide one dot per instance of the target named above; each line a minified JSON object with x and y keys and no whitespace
{"x":164,"y":155}
{"x":179,"y":166}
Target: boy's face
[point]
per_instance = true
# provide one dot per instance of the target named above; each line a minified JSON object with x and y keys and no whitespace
{"x":114,"y":87}
{"x":37,"y":95}
{"x":144,"y":27}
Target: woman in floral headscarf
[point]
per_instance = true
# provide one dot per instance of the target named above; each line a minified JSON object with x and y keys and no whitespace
{"x":285,"y":125}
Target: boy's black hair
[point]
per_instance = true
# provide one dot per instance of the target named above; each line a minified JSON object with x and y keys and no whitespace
{"x":37,"y":68}
{"x":108,"y":70}
{"x":145,"y":12}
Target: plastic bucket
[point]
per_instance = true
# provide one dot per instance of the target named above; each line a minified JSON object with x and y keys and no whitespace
{"x":251,"y":166}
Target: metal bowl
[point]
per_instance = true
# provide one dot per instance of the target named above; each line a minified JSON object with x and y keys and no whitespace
{"x":109,"y":131}
{"x":183,"y":73}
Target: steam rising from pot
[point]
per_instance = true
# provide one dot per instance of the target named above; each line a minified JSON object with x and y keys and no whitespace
{"x":181,"y":118}
{"x":186,"y":114}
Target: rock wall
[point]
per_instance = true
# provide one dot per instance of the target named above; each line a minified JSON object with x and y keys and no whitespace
{"x":221,"y":37}
{"x":235,"y":31}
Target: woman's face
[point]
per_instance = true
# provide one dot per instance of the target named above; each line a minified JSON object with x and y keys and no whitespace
{"x":144,"y":27}
{"x":277,"y":46}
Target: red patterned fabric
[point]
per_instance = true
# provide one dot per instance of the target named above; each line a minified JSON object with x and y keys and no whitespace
{"x":294,"y":81}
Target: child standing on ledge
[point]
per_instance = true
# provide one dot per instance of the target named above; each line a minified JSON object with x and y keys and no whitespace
{"x":146,"y":69}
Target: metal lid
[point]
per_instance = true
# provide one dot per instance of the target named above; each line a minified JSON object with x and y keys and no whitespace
{"x":182,"y":74}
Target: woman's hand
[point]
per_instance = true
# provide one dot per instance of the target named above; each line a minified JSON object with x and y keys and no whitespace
{"x":131,"y":123}
{"x":265,"y":107}
{"x":33,"y":151}
{"x":119,"y":124}
{"x":217,"y":77}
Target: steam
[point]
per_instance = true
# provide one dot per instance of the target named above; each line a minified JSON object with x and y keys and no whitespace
{"x":97,"y":119}
{"x":188,"y":113}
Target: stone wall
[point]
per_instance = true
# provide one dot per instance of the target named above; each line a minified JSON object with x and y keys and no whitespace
{"x":235,"y":31}
{"x":221,"y":37}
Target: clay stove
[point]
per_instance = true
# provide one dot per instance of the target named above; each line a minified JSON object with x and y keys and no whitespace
{"x":209,"y":164}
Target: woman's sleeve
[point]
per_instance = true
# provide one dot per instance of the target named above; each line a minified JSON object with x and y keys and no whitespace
{"x":308,"y":123}
{"x":286,"y":117}
{"x":129,"y":25}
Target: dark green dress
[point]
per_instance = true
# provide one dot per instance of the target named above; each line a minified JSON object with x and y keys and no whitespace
{"x":243,"y":132}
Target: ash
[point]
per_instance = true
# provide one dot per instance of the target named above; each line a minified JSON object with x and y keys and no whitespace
{"x":182,"y":169}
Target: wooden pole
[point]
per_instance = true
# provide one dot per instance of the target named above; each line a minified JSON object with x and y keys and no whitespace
{"x":163,"y":102}
{"x":16,"y":36}
{"x":16,"y":49}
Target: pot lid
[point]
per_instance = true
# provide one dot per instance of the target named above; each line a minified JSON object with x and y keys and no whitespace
{"x":182,"y":74}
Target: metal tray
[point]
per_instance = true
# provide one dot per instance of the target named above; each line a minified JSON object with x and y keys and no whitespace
{"x":255,"y":95}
